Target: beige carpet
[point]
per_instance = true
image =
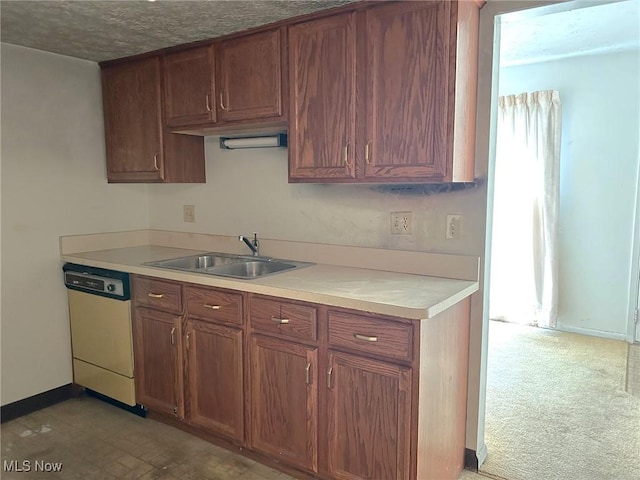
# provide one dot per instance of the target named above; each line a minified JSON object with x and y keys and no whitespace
{"x":557,"y":408}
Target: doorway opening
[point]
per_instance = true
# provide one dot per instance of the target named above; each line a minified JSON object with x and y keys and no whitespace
{"x":547,"y":388}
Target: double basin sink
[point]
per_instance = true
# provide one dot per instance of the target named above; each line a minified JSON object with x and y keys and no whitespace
{"x":228,"y":265}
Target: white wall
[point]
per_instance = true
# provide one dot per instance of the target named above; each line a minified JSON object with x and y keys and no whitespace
{"x":247,"y":191}
{"x":53,"y":184}
{"x":599,"y":160}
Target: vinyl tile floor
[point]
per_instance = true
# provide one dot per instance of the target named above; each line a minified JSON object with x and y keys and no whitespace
{"x":85,"y":438}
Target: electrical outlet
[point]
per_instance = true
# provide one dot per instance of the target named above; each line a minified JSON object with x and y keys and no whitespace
{"x":402,"y":223}
{"x":189,"y":213}
{"x":454,"y":223}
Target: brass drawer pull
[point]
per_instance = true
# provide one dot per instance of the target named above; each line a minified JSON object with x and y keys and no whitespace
{"x":173,"y":340}
{"x":188,"y":335}
{"x":222,"y":106}
{"x":346,"y":155}
{"x":367,"y":148}
{"x":366,"y":338}
{"x":307,"y":373}
{"x":281,"y":321}
{"x":212,"y":307}
{"x":329,"y":376}
{"x":208,"y":103}
{"x":155,"y":295}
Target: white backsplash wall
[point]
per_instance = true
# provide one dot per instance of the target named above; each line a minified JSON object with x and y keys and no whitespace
{"x":247,"y":191}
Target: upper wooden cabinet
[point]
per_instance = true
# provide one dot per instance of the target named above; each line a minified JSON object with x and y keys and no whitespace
{"x":188,"y":87}
{"x":138,"y":147}
{"x":322,"y":55}
{"x":406,"y":73}
{"x":249,"y":72}
{"x":234,"y":82}
{"x":415,"y":77}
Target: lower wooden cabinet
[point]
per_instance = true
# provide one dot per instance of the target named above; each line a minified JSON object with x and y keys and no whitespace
{"x":215,"y":399}
{"x":369,"y":418}
{"x":158,"y":361}
{"x":284,"y":400}
{"x":339,"y":393}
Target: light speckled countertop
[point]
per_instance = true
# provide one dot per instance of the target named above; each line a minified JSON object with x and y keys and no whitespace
{"x":388,"y":293}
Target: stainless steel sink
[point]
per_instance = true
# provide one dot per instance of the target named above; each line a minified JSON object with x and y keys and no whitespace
{"x":197,"y":262}
{"x":251,"y":269}
{"x":227,"y":265}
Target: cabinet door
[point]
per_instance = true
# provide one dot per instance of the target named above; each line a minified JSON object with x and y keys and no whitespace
{"x":284,"y":400}
{"x":188,"y":87}
{"x":322,"y":85}
{"x":249,"y":71}
{"x":133,"y":121}
{"x":406,"y":72}
{"x":158,"y":361}
{"x":214,"y":356}
{"x":369,"y":418}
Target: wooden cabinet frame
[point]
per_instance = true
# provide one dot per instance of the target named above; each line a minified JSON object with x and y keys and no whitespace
{"x":415,"y":68}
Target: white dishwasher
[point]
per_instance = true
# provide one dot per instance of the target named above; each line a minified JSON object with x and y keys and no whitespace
{"x":101,"y":336}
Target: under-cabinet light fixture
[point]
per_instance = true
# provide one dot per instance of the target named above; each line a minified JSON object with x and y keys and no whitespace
{"x":231,"y":143}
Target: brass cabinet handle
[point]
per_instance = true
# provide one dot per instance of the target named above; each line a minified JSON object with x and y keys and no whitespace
{"x":346,"y":154}
{"x":188,"y":335}
{"x":155,"y":162}
{"x":173,"y":340}
{"x":367,"y":148}
{"x":208,"y":102}
{"x":367,"y":338}
{"x":212,"y":307}
{"x":281,"y":321}
{"x":222,"y":102}
{"x":307,"y":373}
{"x":155,"y":295}
{"x":329,"y":376}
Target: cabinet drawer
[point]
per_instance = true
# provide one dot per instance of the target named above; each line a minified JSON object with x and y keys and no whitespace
{"x":283,"y":318}
{"x":214,"y":304}
{"x":159,"y":294}
{"x":370,"y":335}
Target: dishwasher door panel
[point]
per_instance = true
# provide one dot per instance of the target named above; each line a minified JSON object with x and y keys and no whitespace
{"x":101,"y":331}
{"x":104,"y":381}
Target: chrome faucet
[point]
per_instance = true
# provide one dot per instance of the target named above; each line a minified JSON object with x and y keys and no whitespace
{"x":253,"y":245}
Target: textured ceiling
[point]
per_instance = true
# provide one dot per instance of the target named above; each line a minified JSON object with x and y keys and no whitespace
{"x":539,"y":35}
{"x":103,"y":30}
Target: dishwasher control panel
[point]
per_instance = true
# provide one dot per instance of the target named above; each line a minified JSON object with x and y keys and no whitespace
{"x":106,"y":283}
{"x":93,"y":283}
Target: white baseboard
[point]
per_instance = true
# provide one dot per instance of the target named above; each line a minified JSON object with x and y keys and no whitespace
{"x":481,"y":454}
{"x":592,"y":332}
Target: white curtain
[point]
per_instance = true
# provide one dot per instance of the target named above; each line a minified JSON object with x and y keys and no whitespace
{"x":524,"y":255}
